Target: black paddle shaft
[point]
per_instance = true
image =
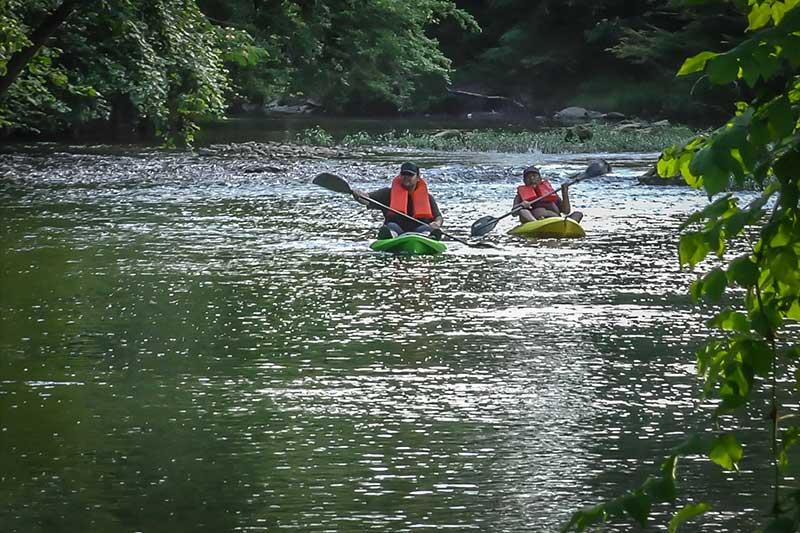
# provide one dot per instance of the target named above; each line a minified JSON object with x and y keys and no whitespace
{"x":332,"y":182}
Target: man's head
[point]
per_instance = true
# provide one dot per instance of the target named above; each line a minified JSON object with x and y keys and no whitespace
{"x":409,"y":175}
{"x":531,"y":176}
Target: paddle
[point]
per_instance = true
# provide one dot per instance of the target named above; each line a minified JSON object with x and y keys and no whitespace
{"x":334,"y":183}
{"x":484,"y":225}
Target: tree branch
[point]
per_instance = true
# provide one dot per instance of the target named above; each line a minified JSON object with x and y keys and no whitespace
{"x":487,"y":97}
{"x":19,"y":60}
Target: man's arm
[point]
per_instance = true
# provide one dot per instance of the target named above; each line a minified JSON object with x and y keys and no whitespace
{"x":438,"y":220}
{"x":381,"y":195}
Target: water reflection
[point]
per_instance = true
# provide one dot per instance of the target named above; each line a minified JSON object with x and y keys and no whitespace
{"x":220,"y":348}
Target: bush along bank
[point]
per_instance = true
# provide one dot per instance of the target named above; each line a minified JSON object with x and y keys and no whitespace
{"x":592,"y":137}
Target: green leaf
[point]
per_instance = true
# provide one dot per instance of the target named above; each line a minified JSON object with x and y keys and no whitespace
{"x":586,"y":517}
{"x":781,"y":119}
{"x":793,"y":313}
{"x":743,"y":271}
{"x":733,"y":134}
{"x":692,"y":248}
{"x":719,"y":207}
{"x":661,"y":489}
{"x":730,"y":320}
{"x":790,"y":48}
{"x":784,"y":265}
{"x":637,"y":505}
{"x":687,"y":513}
{"x":696,"y":443}
{"x":667,"y":165}
{"x":765,"y":319}
{"x":705,"y":163}
{"x":751,"y":71}
{"x":710,"y":361}
{"x":759,"y":16}
{"x":735,"y":388}
{"x":695,"y":63}
{"x":789,"y":438}
{"x":756,"y":354}
{"x":780,"y":234}
{"x":723,"y":69}
{"x":714,"y":284}
{"x":726,"y":451}
{"x":696,"y":290}
{"x":787,"y":166}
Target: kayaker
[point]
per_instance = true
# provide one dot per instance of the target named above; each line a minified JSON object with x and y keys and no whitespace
{"x":535,"y":187}
{"x":408,"y":194}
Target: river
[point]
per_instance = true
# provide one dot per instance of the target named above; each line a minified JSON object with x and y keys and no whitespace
{"x":189,"y":343}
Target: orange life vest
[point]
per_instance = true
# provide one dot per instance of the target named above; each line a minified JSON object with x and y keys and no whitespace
{"x":543,"y":190}
{"x":419,"y":198}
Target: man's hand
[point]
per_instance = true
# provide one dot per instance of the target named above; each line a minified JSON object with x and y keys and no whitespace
{"x":360,"y":196}
{"x":435,"y":225}
{"x":526,"y":204}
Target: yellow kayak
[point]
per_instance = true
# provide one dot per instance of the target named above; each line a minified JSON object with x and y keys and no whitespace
{"x":554,"y":227}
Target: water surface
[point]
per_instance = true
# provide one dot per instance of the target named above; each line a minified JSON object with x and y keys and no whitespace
{"x":190,"y":345}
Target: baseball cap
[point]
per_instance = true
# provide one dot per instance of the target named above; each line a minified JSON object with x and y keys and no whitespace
{"x":409,"y":168}
{"x":531,"y":170}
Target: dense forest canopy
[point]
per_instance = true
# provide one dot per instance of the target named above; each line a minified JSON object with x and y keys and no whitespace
{"x":159,"y":65}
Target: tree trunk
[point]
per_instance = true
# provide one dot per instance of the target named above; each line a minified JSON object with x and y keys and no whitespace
{"x":50,"y":24}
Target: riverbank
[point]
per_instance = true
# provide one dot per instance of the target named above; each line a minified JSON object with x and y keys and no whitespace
{"x":630,"y":136}
{"x":424,"y":133}
{"x":573,"y":139}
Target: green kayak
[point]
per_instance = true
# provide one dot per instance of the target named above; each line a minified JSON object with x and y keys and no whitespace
{"x":409,"y":243}
{"x":549,"y":227}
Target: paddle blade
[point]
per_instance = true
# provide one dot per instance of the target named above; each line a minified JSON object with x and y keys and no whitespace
{"x":332,"y":182}
{"x":482,"y":226}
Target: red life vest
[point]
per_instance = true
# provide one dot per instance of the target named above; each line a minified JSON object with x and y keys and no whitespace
{"x":419,"y":199}
{"x":543,"y":190}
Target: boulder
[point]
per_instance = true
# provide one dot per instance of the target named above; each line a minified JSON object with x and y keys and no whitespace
{"x":630,"y":126}
{"x":613,"y":116}
{"x":572,"y":113}
{"x":291,"y":106}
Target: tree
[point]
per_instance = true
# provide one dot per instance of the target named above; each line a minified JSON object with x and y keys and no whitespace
{"x":349,"y":55}
{"x":613,"y":55}
{"x":13,"y":67}
{"x":757,"y":347}
{"x":156,"y":62}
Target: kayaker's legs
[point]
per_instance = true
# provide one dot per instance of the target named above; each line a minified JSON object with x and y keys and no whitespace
{"x":424,"y":229}
{"x":543,"y":212}
{"x":389,"y":230}
{"x":393,"y":229}
{"x":525,"y":216}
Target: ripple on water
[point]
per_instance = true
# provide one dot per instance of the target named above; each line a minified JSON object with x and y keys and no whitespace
{"x":187,"y":329}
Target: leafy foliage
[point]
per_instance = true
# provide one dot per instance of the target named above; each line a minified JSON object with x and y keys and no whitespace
{"x":346,"y":55}
{"x":760,"y":143}
{"x":158,"y":61}
{"x":613,"y":55}
{"x":163,"y":64}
